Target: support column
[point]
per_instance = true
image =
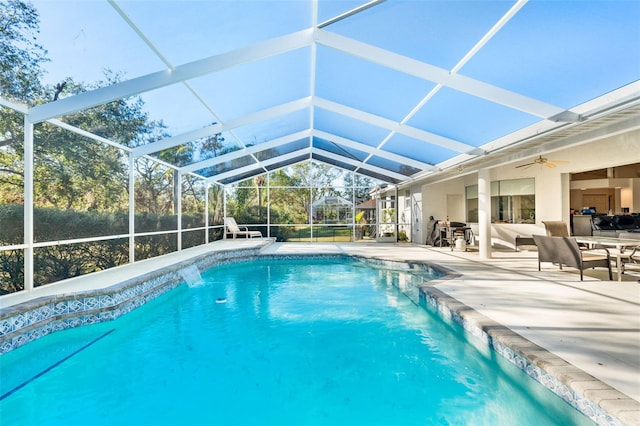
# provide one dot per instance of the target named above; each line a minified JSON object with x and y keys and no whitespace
{"x":132,"y":209}
{"x":395,"y":210}
{"x":224,"y":212}
{"x":178,"y":204}
{"x":310,"y":213}
{"x":206,"y":213}
{"x":269,"y":205}
{"x":353,"y":206}
{"x":28,"y":204}
{"x":484,"y":213}
{"x":565,"y":201}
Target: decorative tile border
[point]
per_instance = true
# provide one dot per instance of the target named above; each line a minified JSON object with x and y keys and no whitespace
{"x":593,"y":398}
{"x":28,"y":321}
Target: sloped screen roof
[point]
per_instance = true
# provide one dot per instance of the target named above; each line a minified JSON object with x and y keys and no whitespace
{"x":390,"y":89}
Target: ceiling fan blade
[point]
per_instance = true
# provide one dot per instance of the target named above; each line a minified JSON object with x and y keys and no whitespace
{"x":549,"y":165}
{"x":525,"y":165}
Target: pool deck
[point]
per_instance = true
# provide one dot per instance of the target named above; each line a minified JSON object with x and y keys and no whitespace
{"x":593,"y":325}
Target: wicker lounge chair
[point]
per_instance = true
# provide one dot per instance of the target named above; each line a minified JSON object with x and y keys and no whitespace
{"x":565,"y":251}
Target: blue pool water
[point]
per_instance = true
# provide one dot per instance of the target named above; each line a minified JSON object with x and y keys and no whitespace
{"x":315,"y":342}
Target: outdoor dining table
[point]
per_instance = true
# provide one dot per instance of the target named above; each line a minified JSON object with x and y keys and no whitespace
{"x":620,"y":244}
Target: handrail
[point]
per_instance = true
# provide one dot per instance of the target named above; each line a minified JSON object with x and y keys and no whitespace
{"x":53,"y":243}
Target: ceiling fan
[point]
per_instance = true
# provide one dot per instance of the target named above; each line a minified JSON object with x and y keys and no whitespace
{"x":543,"y":161}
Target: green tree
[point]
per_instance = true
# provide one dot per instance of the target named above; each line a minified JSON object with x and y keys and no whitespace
{"x":20,"y":66}
{"x":362,"y":185}
{"x":74,"y":173}
{"x":288,"y":203}
{"x":20,"y":71}
{"x":153,"y":187}
{"x":11,"y":161}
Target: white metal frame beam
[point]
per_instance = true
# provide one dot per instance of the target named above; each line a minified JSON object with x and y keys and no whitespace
{"x":168,"y":77}
{"x":466,"y":58}
{"x":372,"y":150}
{"x":441,"y":76}
{"x":168,"y":63}
{"x":21,"y":108}
{"x":304,"y":151}
{"x":246,"y":151}
{"x":308,"y":102}
{"x":358,"y":164}
{"x":256,"y":117}
{"x":350,"y":13}
{"x":391,"y":125}
{"x":226,"y":175}
{"x":308,"y":134}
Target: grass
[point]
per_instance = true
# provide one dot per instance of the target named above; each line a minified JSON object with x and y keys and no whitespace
{"x":321,"y":234}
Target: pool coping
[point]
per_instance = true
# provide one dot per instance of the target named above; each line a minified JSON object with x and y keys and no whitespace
{"x":27,"y":321}
{"x":595,"y":399}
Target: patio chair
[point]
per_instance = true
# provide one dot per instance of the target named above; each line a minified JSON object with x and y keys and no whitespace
{"x":632,"y":261}
{"x":565,"y":251}
{"x":235,"y":230}
{"x":556,"y":228}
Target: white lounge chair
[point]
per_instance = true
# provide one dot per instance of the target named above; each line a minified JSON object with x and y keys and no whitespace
{"x":235,"y":230}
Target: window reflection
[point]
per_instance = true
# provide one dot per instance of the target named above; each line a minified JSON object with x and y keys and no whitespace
{"x":512,"y":201}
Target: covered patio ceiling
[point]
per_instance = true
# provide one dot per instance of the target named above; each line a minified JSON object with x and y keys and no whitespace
{"x":394,"y":90}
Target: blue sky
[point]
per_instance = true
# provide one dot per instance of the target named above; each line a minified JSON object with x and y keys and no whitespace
{"x":560,"y":52}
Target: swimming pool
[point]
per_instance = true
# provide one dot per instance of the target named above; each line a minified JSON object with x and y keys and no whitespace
{"x":321,"y":341}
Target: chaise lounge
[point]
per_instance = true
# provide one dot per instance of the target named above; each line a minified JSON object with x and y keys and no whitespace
{"x":565,"y":251}
{"x":235,"y":230}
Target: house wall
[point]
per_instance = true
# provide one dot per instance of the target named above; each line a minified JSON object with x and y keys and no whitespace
{"x":551,"y":185}
{"x":410,"y":213}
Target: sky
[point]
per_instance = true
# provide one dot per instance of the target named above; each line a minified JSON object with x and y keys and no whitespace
{"x":559,"y":52}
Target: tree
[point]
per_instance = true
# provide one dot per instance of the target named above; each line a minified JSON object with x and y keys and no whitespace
{"x":20,"y":72}
{"x":153,"y":187}
{"x":20,"y":69}
{"x":198,"y":150}
{"x":81,"y":185}
{"x":288,"y":202}
{"x":362,"y":185}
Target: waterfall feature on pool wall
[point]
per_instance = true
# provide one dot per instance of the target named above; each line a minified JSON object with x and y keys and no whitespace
{"x":191,"y":275}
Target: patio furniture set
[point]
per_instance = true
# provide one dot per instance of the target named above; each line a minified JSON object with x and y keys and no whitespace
{"x":583,"y":252}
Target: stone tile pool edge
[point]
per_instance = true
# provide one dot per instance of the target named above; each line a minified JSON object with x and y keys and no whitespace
{"x":27,"y":321}
{"x":590,"y":396}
